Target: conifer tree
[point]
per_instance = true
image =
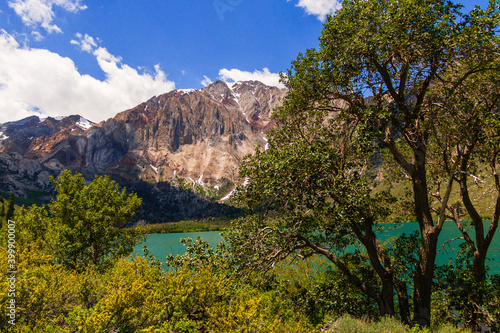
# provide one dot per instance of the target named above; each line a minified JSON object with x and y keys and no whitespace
{"x":2,"y":212}
{"x":10,"y":207}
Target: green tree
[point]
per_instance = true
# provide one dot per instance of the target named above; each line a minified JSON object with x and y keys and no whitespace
{"x":10,"y":208}
{"x":2,"y":212}
{"x":312,"y":190}
{"x":86,"y":220}
{"x":84,"y":224}
{"x":467,"y":133}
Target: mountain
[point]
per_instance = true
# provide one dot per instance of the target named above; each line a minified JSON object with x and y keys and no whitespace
{"x":196,"y":137}
{"x":23,"y":146}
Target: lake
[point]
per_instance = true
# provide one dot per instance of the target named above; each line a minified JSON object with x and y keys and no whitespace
{"x":161,"y":244}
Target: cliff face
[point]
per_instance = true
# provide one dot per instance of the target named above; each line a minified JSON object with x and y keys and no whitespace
{"x":198,"y":135}
{"x":24,"y":144}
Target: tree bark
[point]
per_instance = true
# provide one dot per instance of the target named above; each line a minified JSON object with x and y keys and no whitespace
{"x":428,"y":249}
{"x":386,"y":299}
{"x":423,"y":278}
{"x":481,"y":248}
{"x":403,"y":304}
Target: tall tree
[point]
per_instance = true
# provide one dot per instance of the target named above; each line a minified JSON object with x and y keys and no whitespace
{"x":314,"y":179}
{"x":10,"y":208}
{"x":84,"y":224}
{"x":2,"y":212}
{"x":86,"y":220}
{"x":467,"y":132}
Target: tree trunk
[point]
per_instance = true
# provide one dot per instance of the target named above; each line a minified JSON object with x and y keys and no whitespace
{"x":423,"y":279}
{"x":428,"y":248}
{"x":479,"y":265}
{"x":403,"y":304}
{"x":386,"y":299}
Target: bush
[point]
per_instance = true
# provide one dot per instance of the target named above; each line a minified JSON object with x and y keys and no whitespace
{"x":134,"y":295}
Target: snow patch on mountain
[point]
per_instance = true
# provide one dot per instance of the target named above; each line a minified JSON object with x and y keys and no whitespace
{"x":186,"y":91}
{"x":84,"y":124}
{"x":200,"y":180}
{"x":233,"y":192}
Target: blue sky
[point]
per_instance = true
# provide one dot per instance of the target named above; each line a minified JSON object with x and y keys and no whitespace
{"x":99,"y":57}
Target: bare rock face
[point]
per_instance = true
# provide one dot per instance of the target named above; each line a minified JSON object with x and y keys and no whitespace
{"x":198,"y":135}
{"x":33,"y":137}
{"x":27,"y":148}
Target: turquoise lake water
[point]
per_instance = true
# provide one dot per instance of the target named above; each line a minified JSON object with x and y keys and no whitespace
{"x":161,"y":244}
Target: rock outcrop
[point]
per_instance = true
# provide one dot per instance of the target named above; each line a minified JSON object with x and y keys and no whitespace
{"x":200,"y":136}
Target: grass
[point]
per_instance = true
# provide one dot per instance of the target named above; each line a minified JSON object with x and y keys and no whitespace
{"x":210,"y":224}
{"x":349,"y":324}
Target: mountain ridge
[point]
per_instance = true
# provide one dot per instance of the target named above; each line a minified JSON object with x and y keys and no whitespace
{"x":200,"y":136}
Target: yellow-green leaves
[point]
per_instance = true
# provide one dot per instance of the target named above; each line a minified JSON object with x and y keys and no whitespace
{"x":85,"y":221}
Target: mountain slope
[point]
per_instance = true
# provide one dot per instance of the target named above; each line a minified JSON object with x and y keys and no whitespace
{"x":198,"y":135}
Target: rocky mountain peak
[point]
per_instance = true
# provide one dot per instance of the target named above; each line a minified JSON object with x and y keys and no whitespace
{"x":200,"y":136}
{"x":217,"y":88}
{"x":34,"y":136}
{"x":220,"y":92}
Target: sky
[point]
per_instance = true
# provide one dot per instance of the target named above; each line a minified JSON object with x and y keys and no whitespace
{"x":96,"y":58}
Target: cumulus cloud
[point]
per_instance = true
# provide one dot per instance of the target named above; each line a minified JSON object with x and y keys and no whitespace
{"x":265,"y":76}
{"x":320,"y":8}
{"x":37,"y":81}
{"x":36,"y":13}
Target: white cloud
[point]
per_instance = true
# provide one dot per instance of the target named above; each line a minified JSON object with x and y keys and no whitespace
{"x":265,"y":76}
{"x":86,"y":42}
{"x":206,"y":81}
{"x":36,"y":13}
{"x":320,"y":8}
{"x":37,"y":36}
{"x":37,"y":81}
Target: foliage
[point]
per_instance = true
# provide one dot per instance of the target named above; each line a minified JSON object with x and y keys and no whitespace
{"x":319,"y":290}
{"x":201,"y":293}
{"x":312,"y":191}
{"x":209,"y":224}
{"x":461,"y":299}
{"x":466,"y":144}
{"x":199,"y":254}
{"x":349,"y":324}
{"x":83,"y":225}
{"x":134,"y":296}
{"x":9,"y":213}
